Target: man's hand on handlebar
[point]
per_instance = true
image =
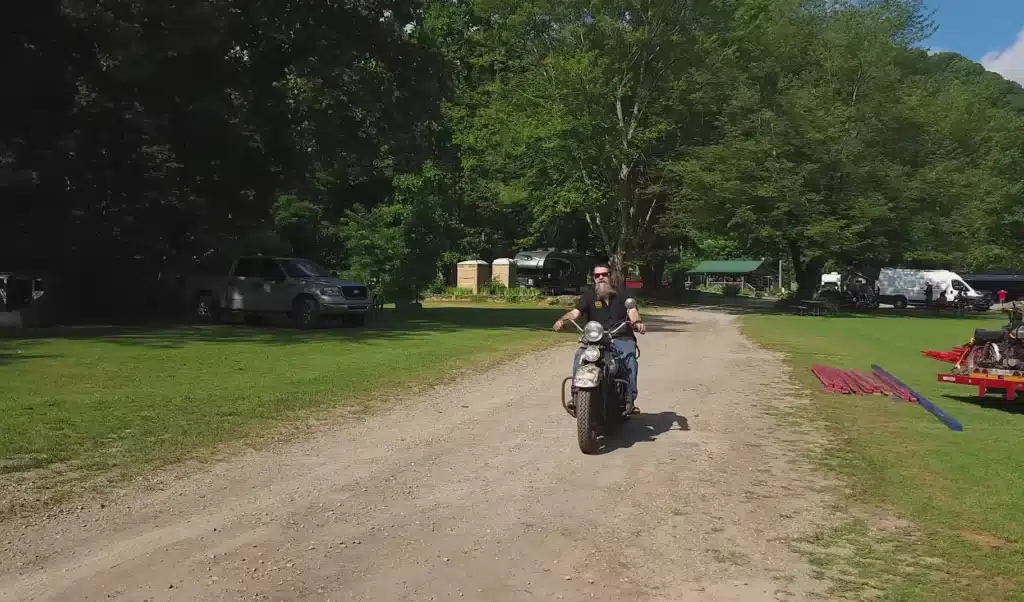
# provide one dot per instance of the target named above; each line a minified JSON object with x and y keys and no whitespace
{"x":639,"y":327}
{"x":569,"y":316}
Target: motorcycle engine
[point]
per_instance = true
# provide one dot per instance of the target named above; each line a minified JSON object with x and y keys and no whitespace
{"x":1007,"y":355}
{"x":1013,"y":355}
{"x":613,"y":365}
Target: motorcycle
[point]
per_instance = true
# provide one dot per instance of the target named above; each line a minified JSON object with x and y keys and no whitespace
{"x":999,"y":352}
{"x":862,"y":300}
{"x":960,"y":303}
{"x":865,"y":300}
{"x":600,"y":391}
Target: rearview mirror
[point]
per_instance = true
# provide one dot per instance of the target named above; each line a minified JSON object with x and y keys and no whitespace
{"x":630,"y":303}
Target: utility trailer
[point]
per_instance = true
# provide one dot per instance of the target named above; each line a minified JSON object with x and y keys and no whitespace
{"x":985,"y":382}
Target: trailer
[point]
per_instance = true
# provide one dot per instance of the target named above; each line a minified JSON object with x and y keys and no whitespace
{"x":553,"y":272}
{"x":1010,"y":385}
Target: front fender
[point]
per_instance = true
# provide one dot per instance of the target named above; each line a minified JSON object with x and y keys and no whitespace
{"x":587,"y":377}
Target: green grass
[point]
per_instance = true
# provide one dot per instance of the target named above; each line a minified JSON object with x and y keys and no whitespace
{"x":81,"y":407}
{"x":963,"y":492}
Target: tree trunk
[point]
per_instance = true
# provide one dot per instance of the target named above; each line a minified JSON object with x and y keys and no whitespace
{"x":808,"y":272}
{"x":617,"y":262}
{"x":651,"y":272}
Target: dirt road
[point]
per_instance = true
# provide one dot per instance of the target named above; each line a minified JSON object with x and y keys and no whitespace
{"x":476,"y":491}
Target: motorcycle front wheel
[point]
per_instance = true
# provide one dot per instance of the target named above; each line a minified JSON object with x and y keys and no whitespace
{"x":975,"y":357}
{"x":586,"y":434}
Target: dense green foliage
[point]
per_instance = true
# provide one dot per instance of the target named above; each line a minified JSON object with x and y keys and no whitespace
{"x":392,"y":139}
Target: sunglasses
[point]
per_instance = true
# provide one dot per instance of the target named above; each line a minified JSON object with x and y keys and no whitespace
{"x":600,"y":274}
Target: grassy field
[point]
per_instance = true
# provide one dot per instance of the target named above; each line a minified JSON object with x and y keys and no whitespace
{"x":82,"y":406}
{"x":963,"y":492}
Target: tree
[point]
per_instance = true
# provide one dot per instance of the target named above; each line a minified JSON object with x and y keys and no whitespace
{"x":396,"y":246}
{"x":582,"y":104}
{"x":970,"y":168}
{"x":179,"y":129}
{"x":811,"y":154}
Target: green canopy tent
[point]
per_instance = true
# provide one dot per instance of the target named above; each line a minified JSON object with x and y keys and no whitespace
{"x":755,"y":273}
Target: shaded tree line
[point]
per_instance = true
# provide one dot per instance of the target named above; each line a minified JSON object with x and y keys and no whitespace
{"x":390,"y":139}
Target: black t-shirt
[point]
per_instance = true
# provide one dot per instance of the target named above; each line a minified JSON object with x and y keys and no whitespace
{"x":609,"y":314}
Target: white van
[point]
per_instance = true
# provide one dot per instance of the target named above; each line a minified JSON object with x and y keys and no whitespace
{"x":902,"y":287}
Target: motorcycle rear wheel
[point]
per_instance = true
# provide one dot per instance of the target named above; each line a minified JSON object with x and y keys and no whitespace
{"x":586,"y":434}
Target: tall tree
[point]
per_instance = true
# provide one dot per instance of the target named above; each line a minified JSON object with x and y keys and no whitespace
{"x":582,"y":104}
{"x":161,"y":132}
{"x":810,"y":155}
{"x":970,"y":168}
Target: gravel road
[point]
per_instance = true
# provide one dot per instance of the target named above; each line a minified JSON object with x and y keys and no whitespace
{"x":478,"y":491}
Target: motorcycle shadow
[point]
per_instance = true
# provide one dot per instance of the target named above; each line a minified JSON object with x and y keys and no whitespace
{"x":643,"y":428}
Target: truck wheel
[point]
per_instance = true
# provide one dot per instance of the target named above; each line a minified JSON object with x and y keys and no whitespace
{"x":305,"y":312}
{"x":900,"y":303}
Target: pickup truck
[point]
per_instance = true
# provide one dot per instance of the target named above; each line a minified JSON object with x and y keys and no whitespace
{"x":258,"y":286}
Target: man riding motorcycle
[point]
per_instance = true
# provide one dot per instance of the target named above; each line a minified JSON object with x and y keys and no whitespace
{"x":604,"y":304}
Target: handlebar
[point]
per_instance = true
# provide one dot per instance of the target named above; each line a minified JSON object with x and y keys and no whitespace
{"x":619,"y":327}
{"x":611,"y":333}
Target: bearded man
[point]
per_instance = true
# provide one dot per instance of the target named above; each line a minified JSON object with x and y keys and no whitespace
{"x":606,"y":305}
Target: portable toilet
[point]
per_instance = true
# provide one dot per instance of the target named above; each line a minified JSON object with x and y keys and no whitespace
{"x":473,"y":274}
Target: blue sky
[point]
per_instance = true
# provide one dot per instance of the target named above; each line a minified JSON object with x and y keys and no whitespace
{"x":987,"y":31}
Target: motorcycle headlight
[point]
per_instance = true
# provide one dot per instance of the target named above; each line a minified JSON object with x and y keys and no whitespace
{"x":593,"y":331}
{"x":330,"y":291}
{"x":591,"y":354}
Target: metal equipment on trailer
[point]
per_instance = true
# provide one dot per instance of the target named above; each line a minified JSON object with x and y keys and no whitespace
{"x":991,"y":360}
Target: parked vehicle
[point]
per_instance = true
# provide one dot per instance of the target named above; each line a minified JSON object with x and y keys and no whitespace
{"x":903,"y":287}
{"x":258,"y":286}
{"x":600,"y":388}
{"x":849,"y":292}
{"x":980,"y":301}
{"x":553,"y":272}
{"x":832,"y":280}
{"x":18,"y":290}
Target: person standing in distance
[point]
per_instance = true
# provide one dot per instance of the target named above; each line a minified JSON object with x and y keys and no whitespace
{"x":606,"y":305}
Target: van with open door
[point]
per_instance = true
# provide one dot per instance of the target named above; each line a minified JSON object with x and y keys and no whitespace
{"x":903,"y":287}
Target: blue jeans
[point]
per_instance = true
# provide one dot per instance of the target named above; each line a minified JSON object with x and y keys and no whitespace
{"x":625,"y":349}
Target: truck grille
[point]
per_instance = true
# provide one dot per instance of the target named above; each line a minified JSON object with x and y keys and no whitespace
{"x":354,"y":292}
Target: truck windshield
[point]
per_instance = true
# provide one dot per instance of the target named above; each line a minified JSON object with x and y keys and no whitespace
{"x":304,"y":268}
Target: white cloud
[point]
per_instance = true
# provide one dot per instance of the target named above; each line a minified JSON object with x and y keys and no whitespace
{"x":933,"y":50}
{"x":1008,"y":62}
